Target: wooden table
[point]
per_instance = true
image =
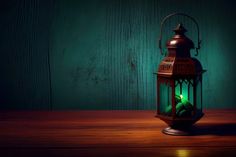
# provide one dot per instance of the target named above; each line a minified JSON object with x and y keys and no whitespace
{"x":112,"y":133}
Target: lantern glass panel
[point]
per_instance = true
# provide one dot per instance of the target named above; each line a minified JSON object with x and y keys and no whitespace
{"x":184,"y":98}
{"x":165,"y":98}
{"x":184,"y":88}
{"x":199,"y":94}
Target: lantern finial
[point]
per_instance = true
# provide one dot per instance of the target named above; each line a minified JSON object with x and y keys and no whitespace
{"x":180,"y":30}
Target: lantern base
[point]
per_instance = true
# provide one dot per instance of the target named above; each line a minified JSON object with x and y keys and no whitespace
{"x":177,"y":132}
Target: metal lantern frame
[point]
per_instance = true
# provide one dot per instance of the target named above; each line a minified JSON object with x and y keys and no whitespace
{"x":178,"y":68}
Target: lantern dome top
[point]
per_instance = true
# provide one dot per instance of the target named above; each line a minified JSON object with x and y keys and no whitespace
{"x":179,"y":40}
{"x":178,"y":62}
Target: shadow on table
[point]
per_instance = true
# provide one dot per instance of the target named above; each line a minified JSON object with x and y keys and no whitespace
{"x":221,"y":129}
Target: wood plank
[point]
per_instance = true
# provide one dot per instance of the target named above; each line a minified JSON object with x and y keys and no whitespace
{"x":25,"y":36}
{"x":108,"y":50}
{"x":107,"y":132}
{"x":103,"y":53}
{"x":121,"y":152}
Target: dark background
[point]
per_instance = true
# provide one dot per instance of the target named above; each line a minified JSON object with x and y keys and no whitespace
{"x":101,"y":54}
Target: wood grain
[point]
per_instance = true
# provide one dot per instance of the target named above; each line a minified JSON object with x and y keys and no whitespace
{"x":117,"y":133}
{"x":24,"y":45}
{"x":101,"y":54}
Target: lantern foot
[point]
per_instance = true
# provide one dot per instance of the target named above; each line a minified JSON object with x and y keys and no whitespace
{"x":177,"y":132}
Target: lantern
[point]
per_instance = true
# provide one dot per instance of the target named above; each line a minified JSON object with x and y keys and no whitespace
{"x":179,"y":82}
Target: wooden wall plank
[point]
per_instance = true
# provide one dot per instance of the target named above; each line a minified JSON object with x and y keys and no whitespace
{"x":103,"y":53}
{"x":24,"y":46}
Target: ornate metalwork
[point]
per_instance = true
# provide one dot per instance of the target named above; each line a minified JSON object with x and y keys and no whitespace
{"x":177,"y":70}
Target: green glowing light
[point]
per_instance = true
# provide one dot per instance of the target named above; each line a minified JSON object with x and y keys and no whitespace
{"x":183,"y":107}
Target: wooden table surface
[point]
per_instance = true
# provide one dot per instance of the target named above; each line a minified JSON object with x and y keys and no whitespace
{"x":112,"y":133}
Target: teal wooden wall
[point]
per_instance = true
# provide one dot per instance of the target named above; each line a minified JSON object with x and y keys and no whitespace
{"x":101,"y":54}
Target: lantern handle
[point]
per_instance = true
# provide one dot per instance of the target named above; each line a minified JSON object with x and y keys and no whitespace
{"x":182,"y":14}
